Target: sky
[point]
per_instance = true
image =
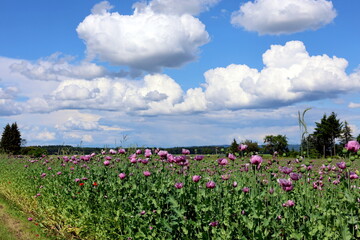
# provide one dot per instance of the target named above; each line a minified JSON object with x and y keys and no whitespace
{"x":167,"y":73}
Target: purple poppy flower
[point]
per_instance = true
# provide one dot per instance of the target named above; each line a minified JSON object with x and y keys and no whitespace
{"x":147,"y":153}
{"x":163,"y":154}
{"x":235,"y":184}
{"x":199,"y":157}
{"x":242,"y":147}
{"x":341,"y":165}
{"x":352,"y":146}
{"x":246,"y":189}
{"x":179,"y":185}
{"x":106,"y":162}
{"x":214,"y":224}
{"x":146,"y":173}
{"x":256,"y":160}
{"x":121,"y":151}
{"x":285,"y":170}
{"x":196,"y":178}
{"x":295,"y":176}
{"x":289,"y":203}
{"x":353,"y":175}
{"x":210,"y":184}
{"x":231,"y":156}
{"x":318,"y":185}
{"x":185,"y":151}
{"x":286,"y":184}
{"x":223,"y":161}
{"x":225,"y":177}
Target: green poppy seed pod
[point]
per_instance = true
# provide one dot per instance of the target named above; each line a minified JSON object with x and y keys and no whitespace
{"x":344,"y":150}
{"x":348,"y":164}
{"x":352,"y":158}
{"x":329,"y":160}
{"x":303,"y":170}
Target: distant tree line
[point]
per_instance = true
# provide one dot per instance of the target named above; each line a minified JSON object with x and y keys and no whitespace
{"x":329,"y":137}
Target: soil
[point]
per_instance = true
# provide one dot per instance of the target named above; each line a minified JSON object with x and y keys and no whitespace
{"x":15,"y":227}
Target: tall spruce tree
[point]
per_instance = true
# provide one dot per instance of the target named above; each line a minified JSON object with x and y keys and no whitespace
{"x":346,"y":135}
{"x":234,"y":147}
{"x":6,"y":138}
{"x":325,"y":134}
{"x":11,"y":139}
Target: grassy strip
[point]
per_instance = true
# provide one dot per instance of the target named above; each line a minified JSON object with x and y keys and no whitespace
{"x":14,"y":225}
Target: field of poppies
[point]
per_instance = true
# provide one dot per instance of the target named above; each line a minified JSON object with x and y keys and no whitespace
{"x":152,"y":194}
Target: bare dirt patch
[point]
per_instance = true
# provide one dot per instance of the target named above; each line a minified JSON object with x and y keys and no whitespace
{"x":14,"y":226}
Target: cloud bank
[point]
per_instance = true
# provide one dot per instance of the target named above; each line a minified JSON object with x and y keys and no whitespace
{"x":290,"y":75}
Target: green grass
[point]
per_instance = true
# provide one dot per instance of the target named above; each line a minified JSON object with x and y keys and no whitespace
{"x":14,"y":224}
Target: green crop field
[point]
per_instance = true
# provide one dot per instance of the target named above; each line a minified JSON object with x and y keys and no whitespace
{"x":156,"y":195}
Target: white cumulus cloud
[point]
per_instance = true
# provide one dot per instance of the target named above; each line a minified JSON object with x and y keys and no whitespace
{"x":116,"y":94}
{"x":283,"y":16}
{"x":57,"y":68}
{"x":290,"y":75}
{"x":146,"y":40}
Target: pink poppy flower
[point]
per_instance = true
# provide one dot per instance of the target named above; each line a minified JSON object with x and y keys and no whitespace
{"x":242,"y":147}
{"x":121,"y":151}
{"x":289,"y":203}
{"x":223,"y":161}
{"x":179,"y":185}
{"x":256,"y":160}
{"x":185,"y":151}
{"x":199,"y":157}
{"x":122,"y":176}
{"x":352,"y":146}
{"x":210,"y":184}
{"x":196,"y":178}
{"x":231,"y":156}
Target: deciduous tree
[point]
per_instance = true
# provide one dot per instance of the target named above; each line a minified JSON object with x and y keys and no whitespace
{"x":277,"y":143}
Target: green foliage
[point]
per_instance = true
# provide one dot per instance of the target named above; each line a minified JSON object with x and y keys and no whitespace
{"x":11,"y":139}
{"x":252,"y":146}
{"x":103,"y":206}
{"x":234,"y":147}
{"x":346,"y":135}
{"x":326,"y":132}
{"x":33,"y":151}
{"x":277,"y":143}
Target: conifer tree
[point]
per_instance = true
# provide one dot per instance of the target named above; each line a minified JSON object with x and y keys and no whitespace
{"x":11,"y":139}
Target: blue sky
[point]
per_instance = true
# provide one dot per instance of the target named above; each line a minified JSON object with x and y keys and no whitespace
{"x":176,"y":73}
